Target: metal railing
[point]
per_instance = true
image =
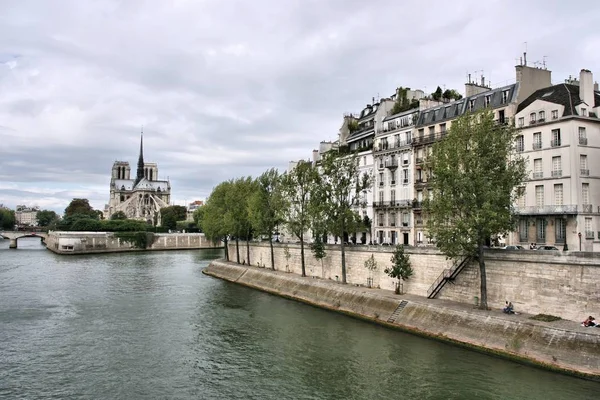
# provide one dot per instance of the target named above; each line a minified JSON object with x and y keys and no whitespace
{"x":583,"y":141}
{"x":545,"y":210}
{"x":584,"y":172}
{"x":538,"y":175}
{"x":587,"y":208}
{"x":557,"y":173}
{"x":391,"y":163}
{"x":448,"y":274}
{"x":589,"y":234}
{"x":537,"y":145}
{"x":555,"y":142}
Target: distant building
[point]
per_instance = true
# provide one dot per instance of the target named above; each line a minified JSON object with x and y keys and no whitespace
{"x":140,"y":198}
{"x":26,"y":216}
{"x":193,"y":206}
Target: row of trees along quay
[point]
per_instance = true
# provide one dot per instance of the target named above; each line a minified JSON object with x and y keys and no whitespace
{"x":475,"y":173}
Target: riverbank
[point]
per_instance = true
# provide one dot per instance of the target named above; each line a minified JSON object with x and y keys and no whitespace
{"x":563,"y":345}
{"x":109,"y":242}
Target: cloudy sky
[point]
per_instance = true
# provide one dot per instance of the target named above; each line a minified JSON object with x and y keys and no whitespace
{"x":226,"y":88}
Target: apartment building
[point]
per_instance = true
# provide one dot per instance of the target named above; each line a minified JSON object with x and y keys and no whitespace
{"x":560,"y":137}
{"x":433,"y":124}
{"x":26,"y":216}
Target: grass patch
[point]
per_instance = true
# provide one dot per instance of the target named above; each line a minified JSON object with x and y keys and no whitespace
{"x":545,"y":317}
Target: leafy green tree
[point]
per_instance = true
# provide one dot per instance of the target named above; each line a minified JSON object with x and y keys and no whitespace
{"x":401,"y":268}
{"x":119,"y":215}
{"x":341,"y":188}
{"x":318,"y":250}
{"x":199,"y":217}
{"x":170,"y":215}
{"x":236,"y":216}
{"x":451,"y":94}
{"x":7,"y":219}
{"x":437,"y":95}
{"x":371,"y":266}
{"x":46,"y":217}
{"x":213,"y":222}
{"x":475,"y":174}
{"x":266,"y":206}
{"x":299,"y":186}
{"x":81,"y":206}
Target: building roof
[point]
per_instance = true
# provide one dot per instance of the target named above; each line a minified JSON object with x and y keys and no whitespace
{"x":456,"y":108}
{"x":564,"y":94}
{"x":144,"y":184}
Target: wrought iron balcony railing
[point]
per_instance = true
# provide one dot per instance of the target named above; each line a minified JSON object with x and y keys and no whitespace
{"x":547,"y":210}
{"x":557,"y":173}
{"x":584,"y":172}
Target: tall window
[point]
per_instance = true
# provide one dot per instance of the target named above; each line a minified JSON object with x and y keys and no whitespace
{"x":405,"y":159}
{"x":583,"y":165}
{"x":537,"y":140}
{"x":521,"y":122}
{"x":520,"y":145}
{"x":584,"y":112}
{"x":505,"y":96}
{"x":542,"y":116}
{"x":381,"y":179}
{"x":393,"y":177}
{"x":582,"y":135}
{"x":381,"y":196}
{"x":393,"y":219}
{"x":556,"y":167}
{"x":589,"y":233}
{"x":539,"y":195}
{"x":532,"y":118}
{"x":540,"y":227}
{"x":555,"y":137}
{"x":405,"y":219}
{"x":392,"y":195}
{"x":537,"y":169}
{"x":585,"y":193}
{"x":521,"y":196}
{"x":558,"y":194}
{"x":405,"y":176}
{"x":523,"y":225}
{"x":560,"y":230}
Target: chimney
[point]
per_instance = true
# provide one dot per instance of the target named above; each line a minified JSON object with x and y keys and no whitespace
{"x":531,"y":79}
{"x":315,"y":156}
{"x":596,"y":87}
{"x":586,"y":87}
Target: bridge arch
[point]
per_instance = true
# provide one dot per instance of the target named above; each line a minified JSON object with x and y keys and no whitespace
{"x":14,"y":236}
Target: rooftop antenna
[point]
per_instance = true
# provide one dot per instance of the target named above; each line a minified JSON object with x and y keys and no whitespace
{"x":525,"y":54}
{"x":544,"y":61}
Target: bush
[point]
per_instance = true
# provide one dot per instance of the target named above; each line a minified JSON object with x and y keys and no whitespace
{"x":545,"y":318}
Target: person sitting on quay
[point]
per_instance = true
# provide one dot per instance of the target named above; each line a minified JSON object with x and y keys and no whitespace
{"x":508,"y":309}
{"x":590,"y":321}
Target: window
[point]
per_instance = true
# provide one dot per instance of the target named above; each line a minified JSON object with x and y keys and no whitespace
{"x":589,"y":233}
{"x":487,"y":100}
{"x":405,"y":219}
{"x":381,"y":196}
{"x":381,"y":179}
{"x":555,"y":137}
{"x":537,"y":140}
{"x":392,"y":195}
{"x":408,"y":137}
{"x":380,"y":219}
{"x":560,"y":231}
{"x":520,"y":144}
{"x":405,"y":176}
{"x":501,"y":117}
{"x":405,"y":159}
{"x":556,"y":167}
{"x":432,"y":130}
{"x":393,"y":219}
{"x":583,"y":165}
{"x":364,"y":160}
{"x":539,"y":195}
{"x":521,"y":122}
{"x":558,"y":194}
{"x":505,"y":96}
{"x":532,"y":118}
{"x":582,"y":136}
{"x":584,"y":112}
{"x":554,"y":114}
{"x":443,"y":128}
{"x":537,"y":169}
{"x":421,"y":132}
{"x":542,"y":116}
{"x":523,"y":225}
{"x":393,"y":177}
{"x":521,"y":196}
{"x":471,"y":105}
{"x":540,"y":227}
{"x":585,"y":193}
{"x":380,"y":159}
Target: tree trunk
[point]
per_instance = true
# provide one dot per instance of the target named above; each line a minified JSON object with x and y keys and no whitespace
{"x":226,"y":249}
{"x":343,"y":248}
{"x":483,"y":280}
{"x":237,"y":249}
{"x":248,"y":248}
{"x":302,"y":254}
{"x":272,"y":254}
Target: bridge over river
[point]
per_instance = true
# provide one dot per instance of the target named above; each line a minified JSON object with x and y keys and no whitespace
{"x":14,"y":236}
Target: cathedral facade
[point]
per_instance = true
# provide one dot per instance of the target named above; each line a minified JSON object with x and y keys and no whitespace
{"x":140,"y":198}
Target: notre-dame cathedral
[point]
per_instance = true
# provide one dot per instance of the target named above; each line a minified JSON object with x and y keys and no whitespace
{"x":140,"y":198}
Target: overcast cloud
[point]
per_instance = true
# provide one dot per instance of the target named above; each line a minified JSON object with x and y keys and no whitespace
{"x":226,"y":88}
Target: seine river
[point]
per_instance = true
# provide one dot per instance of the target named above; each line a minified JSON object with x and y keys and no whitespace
{"x":152,"y":326}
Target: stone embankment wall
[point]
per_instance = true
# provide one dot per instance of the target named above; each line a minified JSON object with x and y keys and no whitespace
{"x":565,"y":284}
{"x":107,"y":242}
{"x":576,"y":350}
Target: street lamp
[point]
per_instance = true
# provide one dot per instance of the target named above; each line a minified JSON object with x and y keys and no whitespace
{"x":579,"y":234}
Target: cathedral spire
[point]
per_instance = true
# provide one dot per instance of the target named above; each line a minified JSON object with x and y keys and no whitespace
{"x":140,"y":166}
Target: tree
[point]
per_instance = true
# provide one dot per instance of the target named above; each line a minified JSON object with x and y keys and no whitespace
{"x":437,"y":95}
{"x":266,"y":205}
{"x":80,"y":206}
{"x":237,"y":216}
{"x":475,"y":174}
{"x":371,"y":266}
{"x":119,"y":215}
{"x":7,"y":219}
{"x":213,"y":223}
{"x":400,"y":268}
{"x":46,"y":217}
{"x":198,"y":217}
{"x":299,"y":186}
{"x":170,"y":215}
{"x":451,"y":94}
{"x":341,"y":188}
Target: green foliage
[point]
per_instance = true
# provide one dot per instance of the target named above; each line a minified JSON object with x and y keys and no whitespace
{"x":352,"y":125}
{"x":545,"y":317}
{"x":265,"y":206}
{"x":401,"y":268}
{"x":87,"y":225}
{"x":437,"y":95}
{"x":198,"y":217}
{"x":338,"y":192}
{"x":46,"y":217}
{"x":188,"y":226}
{"x":7,"y":219}
{"x":403,"y":103}
{"x":81,"y":206}
{"x":140,"y":240}
{"x":119,"y":215}
{"x":451,"y":94}
{"x":371,"y":263}
{"x":318,"y":248}
{"x":475,"y":174}
{"x":170,"y":215}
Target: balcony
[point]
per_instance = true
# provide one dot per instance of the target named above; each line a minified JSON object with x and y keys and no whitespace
{"x":392,"y":182}
{"x":417,"y":204}
{"x":583,"y":141}
{"x":419,"y":160}
{"x":532,"y":122}
{"x":555,"y":142}
{"x":392,"y":223}
{"x":392,"y":203}
{"x":380,"y":165}
{"x":419,"y":222}
{"x":381,"y":184}
{"x":587,"y":208}
{"x":537,"y":145}
{"x":520,"y":148}
{"x":584,"y":172}
{"x":557,"y":173}
{"x":589,"y":234}
{"x":538,"y":175}
{"x":547,"y":210}
{"x":391,"y":164}
{"x":541,"y":120}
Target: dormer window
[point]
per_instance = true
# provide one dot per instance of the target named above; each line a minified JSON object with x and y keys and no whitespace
{"x":554,"y":114}
{"x":471,"y":105}
{"x":505,"y":96}
{"x":521,"y":122}
{"x":584,"y":112}
{"x":542,"y":116}
{"x":488,"y":98}
{"x":532,"y":118}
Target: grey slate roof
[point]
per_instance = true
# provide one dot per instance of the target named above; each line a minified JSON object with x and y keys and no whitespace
{"x":144,"y":184}
{"x":564,"y":94}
